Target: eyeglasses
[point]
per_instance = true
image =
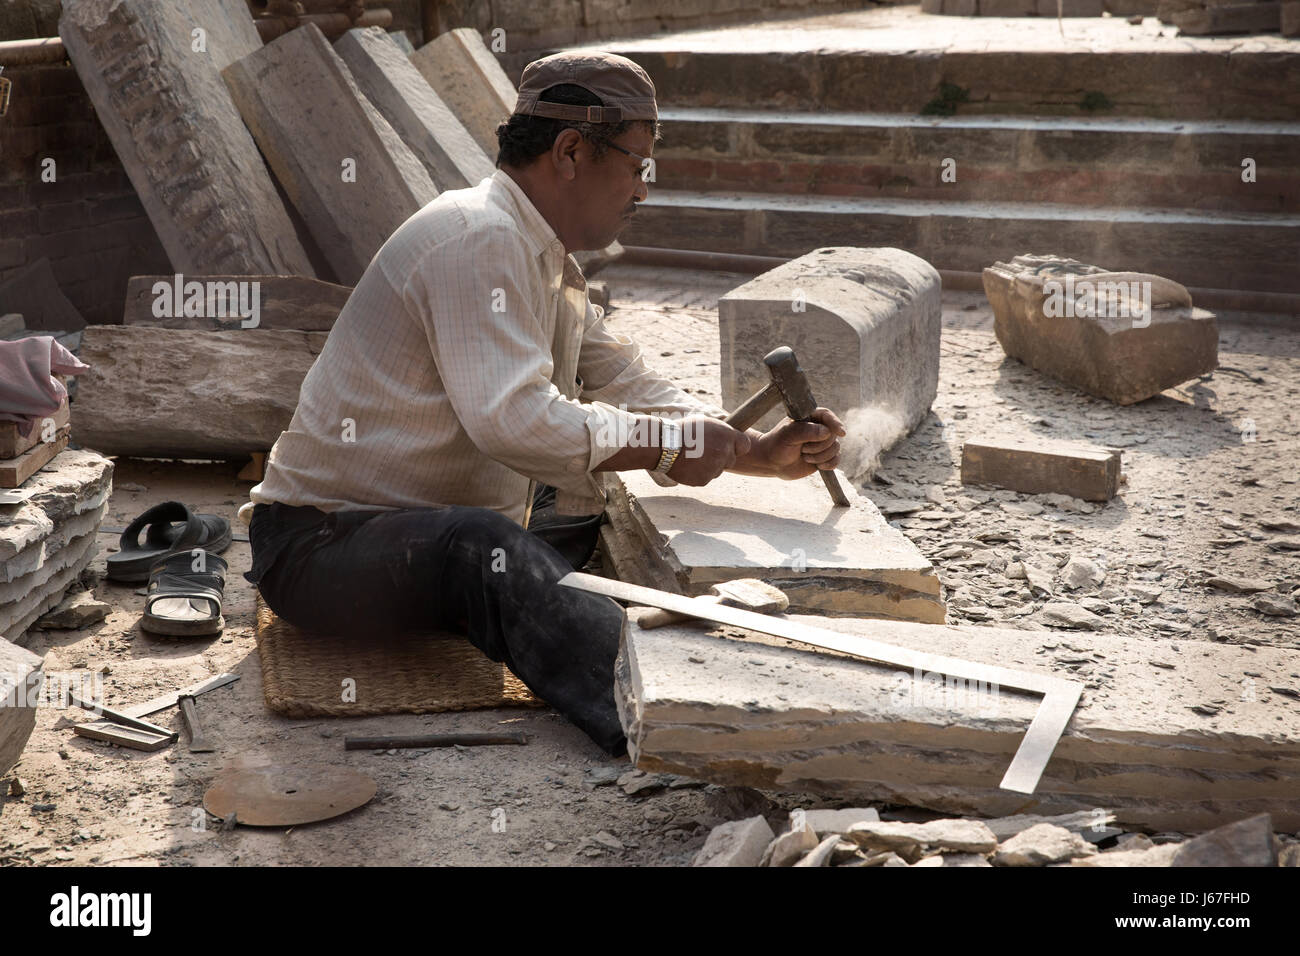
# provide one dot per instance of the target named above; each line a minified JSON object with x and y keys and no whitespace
{"x":646,"y":172}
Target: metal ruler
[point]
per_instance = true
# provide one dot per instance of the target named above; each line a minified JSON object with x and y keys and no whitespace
{"x":1060,"y":697}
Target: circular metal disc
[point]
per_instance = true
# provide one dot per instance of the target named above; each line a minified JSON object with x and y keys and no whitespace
{"x":278,"y":796}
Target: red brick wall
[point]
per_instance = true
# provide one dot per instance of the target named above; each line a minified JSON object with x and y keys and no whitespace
{"x":88,"y":222}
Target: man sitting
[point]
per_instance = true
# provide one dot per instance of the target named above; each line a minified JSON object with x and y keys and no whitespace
{"x":440,"y":471}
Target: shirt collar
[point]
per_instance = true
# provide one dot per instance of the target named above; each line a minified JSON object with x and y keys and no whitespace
{"x":541,"y":237}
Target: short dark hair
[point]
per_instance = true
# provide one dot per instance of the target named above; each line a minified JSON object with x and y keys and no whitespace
{"x":521,"y":139}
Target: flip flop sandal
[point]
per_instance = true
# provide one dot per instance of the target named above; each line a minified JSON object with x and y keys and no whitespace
{"x":182,"y":601}
{"x":133,"y":561}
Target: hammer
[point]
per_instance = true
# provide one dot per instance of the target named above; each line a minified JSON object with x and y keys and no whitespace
{"x":791,"y":385}
{"x":750,"y":594}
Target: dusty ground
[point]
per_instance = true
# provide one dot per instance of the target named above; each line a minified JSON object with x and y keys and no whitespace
{"x":1194,"y":503}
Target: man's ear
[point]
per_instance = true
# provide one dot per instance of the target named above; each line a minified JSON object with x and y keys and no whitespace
{"x":564,"y":153}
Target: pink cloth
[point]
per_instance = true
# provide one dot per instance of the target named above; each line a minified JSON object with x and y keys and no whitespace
{"x":28,"y":389}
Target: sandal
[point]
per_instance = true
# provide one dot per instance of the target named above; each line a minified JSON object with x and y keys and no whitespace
{"x":132,"y":562}
{"x":181,"y":601}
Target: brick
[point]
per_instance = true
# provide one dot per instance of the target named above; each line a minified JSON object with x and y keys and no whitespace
{"x":1242,"y":18}
{"x":114,"y":208}
{"x":1039,"y":466}
{"x":148,"y":87}
{"x":61,"y":217}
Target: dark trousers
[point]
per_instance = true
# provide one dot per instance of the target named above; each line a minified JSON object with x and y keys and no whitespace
{"x":467,"y":570}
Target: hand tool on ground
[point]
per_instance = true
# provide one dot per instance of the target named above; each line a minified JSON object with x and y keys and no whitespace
{"x":748,"y":593}
{"x":190,"y":715}
{"x":139,"y":738}
{"x":788,"y":385}
{"x":118,"y":717}
{"x":170,"y":699}
{"x":418,"y":741}
{"x":132,"y":737}
{"x":1060,"y":696}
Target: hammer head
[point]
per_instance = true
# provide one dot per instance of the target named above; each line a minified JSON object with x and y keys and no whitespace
{"x":751,"y":594}
{"x":791,"y":382}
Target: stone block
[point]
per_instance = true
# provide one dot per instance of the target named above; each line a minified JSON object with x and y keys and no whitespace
{"x":170,"y":118}
{"x":1093,"y":329}
{"x":419,"y":116}
{"x":738,"y":843}
{"x":864,"y":323}
{"x":225,"y":394}
{"x":284,"y":302}
{"x":741,"y":708}
{"x":344,"y":168}
{"x":827,"y":559}
{"x":468,"y":78}
{"x":1041,"y":845}
{"x":21,"y":675}
{"x":1042,"y":466}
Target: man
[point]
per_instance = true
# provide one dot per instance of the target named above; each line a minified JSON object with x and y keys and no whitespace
{"x":441,"y":469}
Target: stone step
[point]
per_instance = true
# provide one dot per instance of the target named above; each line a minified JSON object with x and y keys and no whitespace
{"x":901,"y":60}
{"x":1193,"y":164}
{"x":1250,"y":251}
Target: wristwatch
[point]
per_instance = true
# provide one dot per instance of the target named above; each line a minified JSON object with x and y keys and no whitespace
{"x":670,"y":445}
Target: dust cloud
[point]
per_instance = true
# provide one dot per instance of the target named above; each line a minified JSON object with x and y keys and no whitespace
{"x":872,"y":430}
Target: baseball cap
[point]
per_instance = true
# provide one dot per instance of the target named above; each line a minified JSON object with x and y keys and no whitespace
{"x":625,"y":90}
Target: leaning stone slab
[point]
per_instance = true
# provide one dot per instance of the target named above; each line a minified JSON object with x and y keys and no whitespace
{"x":418,"y":115}
{"x":864,"y":323}
{"x":223,"y":394}
{"x":179,"y":136}
{"x":467,"y":77}
{"x":21,"y":674}
{"x":744,"y":709}
{"x":34,"y":294}
{"x":346,"y":171}
{"x":1097,"y":330}
{"x":211,"y":302}
{"x":828,"y":560}
{"x":1042,"y":466}
{"x":738,"y":843}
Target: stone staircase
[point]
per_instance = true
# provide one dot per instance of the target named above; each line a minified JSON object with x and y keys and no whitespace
{"x":965,"y":143}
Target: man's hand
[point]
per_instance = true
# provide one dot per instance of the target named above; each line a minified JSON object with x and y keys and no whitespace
{"x":709,"y":447}
{"x":795,"y":449}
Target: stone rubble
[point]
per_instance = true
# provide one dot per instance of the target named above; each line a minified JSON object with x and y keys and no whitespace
{"x":975,"y":843}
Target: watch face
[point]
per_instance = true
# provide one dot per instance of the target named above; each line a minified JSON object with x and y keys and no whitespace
{"x":671,"y":437}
